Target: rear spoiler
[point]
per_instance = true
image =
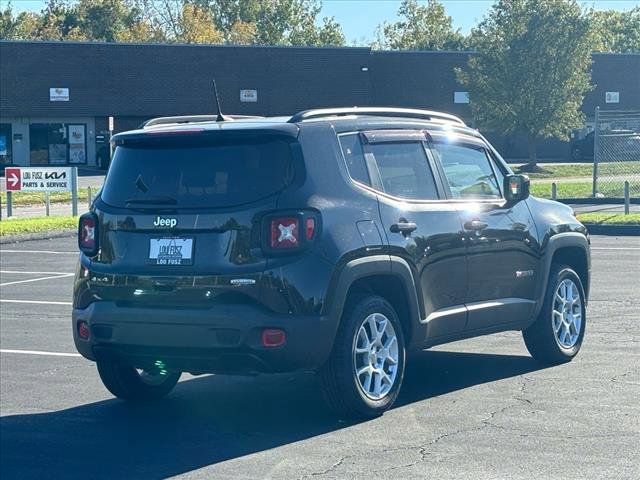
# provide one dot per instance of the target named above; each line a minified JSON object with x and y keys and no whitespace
{"x":206,"y":132}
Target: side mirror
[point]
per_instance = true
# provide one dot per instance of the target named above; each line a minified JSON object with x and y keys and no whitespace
{"x":516,"y":188}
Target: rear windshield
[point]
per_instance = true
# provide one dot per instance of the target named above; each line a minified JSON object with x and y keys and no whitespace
{"x":203,"y":176}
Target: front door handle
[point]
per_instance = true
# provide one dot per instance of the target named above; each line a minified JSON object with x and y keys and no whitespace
{"x":475,"y":225}
{"x":403,"y":227}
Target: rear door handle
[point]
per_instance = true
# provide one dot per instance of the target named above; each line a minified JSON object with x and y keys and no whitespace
{"x":403,"y":227}
{"x":475,"y":225}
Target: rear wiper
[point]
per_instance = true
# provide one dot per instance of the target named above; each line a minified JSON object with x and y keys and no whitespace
{"x":159,"y":200}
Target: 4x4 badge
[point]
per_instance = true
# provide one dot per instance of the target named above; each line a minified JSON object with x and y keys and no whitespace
{"x":524,"y":273}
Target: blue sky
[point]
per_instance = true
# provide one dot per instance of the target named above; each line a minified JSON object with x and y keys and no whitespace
{"x":359,"y":18}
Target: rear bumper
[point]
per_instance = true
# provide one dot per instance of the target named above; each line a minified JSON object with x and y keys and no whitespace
{"x":224,"y":339}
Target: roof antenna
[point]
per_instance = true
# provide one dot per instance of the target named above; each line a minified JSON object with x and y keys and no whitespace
{"x":220,"y":117}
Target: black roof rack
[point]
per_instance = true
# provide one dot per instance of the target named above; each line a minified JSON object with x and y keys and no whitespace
{"x":192,"y":119}
{"x":378,"y":112}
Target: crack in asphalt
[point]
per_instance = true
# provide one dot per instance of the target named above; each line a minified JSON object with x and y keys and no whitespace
{"x":617,"y":378}
{"x":325,"y":471}
{"x":424,"y":450}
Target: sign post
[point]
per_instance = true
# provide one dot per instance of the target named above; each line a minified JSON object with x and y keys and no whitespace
{"x":74,"y":191}
{"x":110,"y":135}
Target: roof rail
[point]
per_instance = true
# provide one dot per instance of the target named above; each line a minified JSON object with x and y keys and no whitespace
{"x":192,"y":119}
{"x":376,"y":111}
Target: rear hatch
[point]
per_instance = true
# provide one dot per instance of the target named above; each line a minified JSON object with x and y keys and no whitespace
{"x":180,"y":214}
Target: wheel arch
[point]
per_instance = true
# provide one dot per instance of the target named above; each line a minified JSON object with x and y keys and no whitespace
{"x":569,"y":248}
{"x":385,"y":276}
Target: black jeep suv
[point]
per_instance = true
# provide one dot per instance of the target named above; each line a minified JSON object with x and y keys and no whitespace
{"x":334,"y":240}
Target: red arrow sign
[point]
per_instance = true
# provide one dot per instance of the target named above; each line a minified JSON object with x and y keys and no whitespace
{"x":12,"y":178}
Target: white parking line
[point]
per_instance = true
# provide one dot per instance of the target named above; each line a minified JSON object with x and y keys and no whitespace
{"x":35,"y":273}
{"x":615,"y":248}
{"x":36,"y":279}
{"x":39,"y":352}
{"x":38,"y":251}
{"x":35,"y":302}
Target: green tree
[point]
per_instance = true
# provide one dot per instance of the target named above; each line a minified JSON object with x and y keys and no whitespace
{"x":616,"y":32}
{"x":104,"y":20}
{"x":531,"y":70}
{"x":180,"y":21}
{"x":274,"y":22}
{"x":304,"y":30}
{"x":55,"y":22}
{"x":20,"y":27}
{"x":421,"y":27}
{"x":247,"y":22}
{"x":197,"y":26}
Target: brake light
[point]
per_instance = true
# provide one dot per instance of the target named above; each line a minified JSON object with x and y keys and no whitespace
{"x":284,"y":233}
{"x":88,"y":234}
{"x":183,"y":131}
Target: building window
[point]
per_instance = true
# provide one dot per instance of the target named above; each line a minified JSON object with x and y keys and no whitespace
{"x":5,"y":144}
{"x":57,"y":143}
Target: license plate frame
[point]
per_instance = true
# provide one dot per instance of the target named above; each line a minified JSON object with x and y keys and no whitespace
{"x":171,"y":251}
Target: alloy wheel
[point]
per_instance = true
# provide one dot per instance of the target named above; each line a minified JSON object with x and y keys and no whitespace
{"x":375,"y":356}
{"x":566,"y":317}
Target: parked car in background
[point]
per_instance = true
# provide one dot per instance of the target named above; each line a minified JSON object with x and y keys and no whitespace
{"x":582,"y":149}
{"x":615,"y":145}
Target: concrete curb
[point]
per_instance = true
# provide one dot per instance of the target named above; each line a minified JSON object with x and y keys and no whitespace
{"x":37,"y":236}
{"x":619,"y":230}
{"x":597,"y":201}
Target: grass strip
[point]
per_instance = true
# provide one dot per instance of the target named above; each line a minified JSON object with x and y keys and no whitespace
{"x":610,"y":218}
{"x":581,"y":170}
{"x":25,"y":199}
{"x":17,"y":226}
{"x":584,"y":189}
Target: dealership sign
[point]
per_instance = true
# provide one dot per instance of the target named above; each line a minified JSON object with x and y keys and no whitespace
{"x":58,"y":94}
{"x":250,"y":96}
{"x":612,"y":97}
{"x":18,"y":179}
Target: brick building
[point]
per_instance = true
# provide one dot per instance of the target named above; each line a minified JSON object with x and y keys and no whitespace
{"x":56,"y":97}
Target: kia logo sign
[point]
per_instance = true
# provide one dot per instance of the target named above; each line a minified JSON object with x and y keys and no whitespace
{"x":27,"y":179}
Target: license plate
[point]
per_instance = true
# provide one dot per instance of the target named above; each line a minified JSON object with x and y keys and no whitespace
{"x":171,"y":251}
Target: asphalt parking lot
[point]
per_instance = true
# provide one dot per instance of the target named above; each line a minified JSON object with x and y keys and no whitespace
{"x":480,"y":408}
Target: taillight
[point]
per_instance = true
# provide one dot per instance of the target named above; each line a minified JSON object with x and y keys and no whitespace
{"x":88,"y":234}
{"x":310,"y":228}
{"x":285,"y":233}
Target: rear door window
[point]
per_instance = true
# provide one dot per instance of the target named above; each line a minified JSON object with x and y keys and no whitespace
{"x":197,"y":176}
{"x":404,"y":171}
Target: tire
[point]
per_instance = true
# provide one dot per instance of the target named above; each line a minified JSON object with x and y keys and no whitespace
{"x":344,"y":391}
{"x":127,"y":383}
{"x":541,"y":339}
